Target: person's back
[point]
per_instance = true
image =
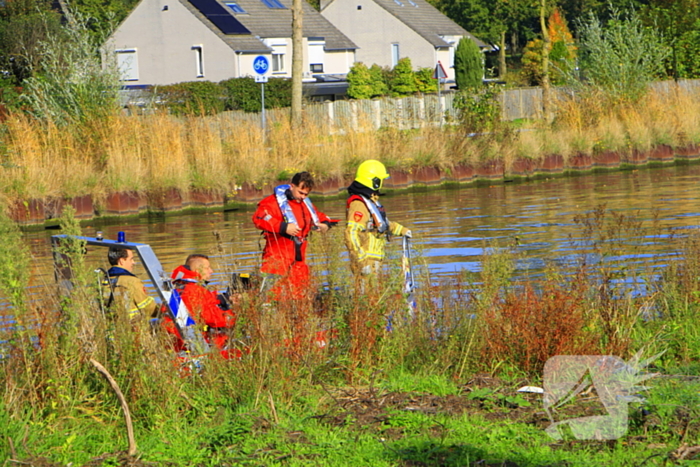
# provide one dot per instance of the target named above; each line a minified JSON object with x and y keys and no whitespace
{"x":123,"y":291}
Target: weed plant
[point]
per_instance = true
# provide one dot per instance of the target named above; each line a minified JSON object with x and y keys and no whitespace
{"x":251,"y":409}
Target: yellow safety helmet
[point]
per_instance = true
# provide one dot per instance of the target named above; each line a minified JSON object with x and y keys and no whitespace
{"x":371,"y":174}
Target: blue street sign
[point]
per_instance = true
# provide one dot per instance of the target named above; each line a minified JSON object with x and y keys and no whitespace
{"x":261,"y":64}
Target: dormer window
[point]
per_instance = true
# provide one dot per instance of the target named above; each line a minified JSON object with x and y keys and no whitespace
{"x":276,"y":4}
{"x":235,"y":7}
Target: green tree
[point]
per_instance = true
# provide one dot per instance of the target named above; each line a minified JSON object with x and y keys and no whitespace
{"x":688,"y":53}
{"x":469,"y":64}
{"x":403,"y":80}
{"x":103,"y":15}
{"x":24,"y":26}
{"x":70,"y":83}
{"x":562,"y":55}
{"x":509,"y":23}
{"x":379,"y":80}
{"x":576,"y":10}
{"x":620,"y":58}
{"x":678,"y":22}
{"x":360,"y":82}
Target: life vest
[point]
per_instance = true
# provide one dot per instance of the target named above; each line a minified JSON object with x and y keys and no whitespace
{"x":283,"y":202}
{"x":379,"y":222}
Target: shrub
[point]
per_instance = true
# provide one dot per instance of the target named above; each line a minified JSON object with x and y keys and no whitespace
{"x":193,"y":98}
{"x":360,"y":83}
{"x":245,"y":94}
{"x":478,"y":110}
{"x":425,"y":81}
{"x":528,"y":326}
{"x":620,"y":58}
{"x":379,"y":80}
{"x":403,"y":80}
{"x":469,"y":64}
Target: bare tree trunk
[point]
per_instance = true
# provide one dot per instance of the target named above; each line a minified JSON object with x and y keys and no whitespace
{"x":297,"y":60}
{"x":546,"y":47}
{"x":502,"y":68}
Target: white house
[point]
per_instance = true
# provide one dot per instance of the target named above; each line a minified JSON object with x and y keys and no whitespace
{"x":171,"y":41}
{"x":387,"y":30}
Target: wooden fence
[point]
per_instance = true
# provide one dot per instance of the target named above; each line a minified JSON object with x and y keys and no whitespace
{"x":420,"y":111}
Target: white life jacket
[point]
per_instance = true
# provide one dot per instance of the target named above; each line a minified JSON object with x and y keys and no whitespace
{"x":287,"y":213}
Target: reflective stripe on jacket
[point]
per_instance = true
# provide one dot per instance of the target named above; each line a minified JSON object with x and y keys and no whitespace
{"x":364,"y":241}
{"x":128,"y":291}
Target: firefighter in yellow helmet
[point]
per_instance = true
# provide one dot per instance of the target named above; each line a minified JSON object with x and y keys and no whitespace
{"x":368,"y":228}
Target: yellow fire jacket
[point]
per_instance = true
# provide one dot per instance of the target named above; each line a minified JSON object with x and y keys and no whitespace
{"x":364,"y":242}
{"x":130,"y":294}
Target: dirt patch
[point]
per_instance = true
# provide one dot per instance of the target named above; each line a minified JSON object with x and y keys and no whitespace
{"x":121,"y":459}
{"x":483,"y":395}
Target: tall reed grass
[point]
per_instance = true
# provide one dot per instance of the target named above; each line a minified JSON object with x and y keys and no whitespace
{"x":158,"y":152}
{"x":462,"y":325}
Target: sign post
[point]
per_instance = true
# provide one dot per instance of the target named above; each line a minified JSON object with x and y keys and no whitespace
{"x":261,"y":65}
{"x":439,"y":74}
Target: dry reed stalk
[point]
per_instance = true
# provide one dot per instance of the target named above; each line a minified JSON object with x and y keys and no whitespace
{"x":638,"y":132}
{"x":125,"y":167}
{"x":687,"y":106}
{"x":165,"y":153}
{"x":205,"y":150}
{"x":122,"y":153}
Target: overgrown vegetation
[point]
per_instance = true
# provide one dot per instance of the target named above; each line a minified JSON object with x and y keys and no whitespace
{"x":622,"y":58}
{"x":437,"y":388}
{"x":221,"y":153}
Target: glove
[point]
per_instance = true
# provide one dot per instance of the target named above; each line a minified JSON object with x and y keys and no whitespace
{"x":367,"y":270}
{"x":408,"y":234}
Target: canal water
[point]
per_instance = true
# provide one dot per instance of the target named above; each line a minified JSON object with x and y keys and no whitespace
{"x":451,"y":226}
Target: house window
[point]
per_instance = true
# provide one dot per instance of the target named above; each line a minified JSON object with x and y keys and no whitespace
{"x":277,"y":62}
{"x":317,"y":68}
{"x":398,"y":2}
{"x":199,"y":60}
{"x":235,"y":7}
{"x":273,"y":4}
{"x":128,"y":64}
{"x":394,"y":54}
{"x":413,"y":3}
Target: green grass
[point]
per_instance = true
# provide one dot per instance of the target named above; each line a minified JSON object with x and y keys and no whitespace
{"x":411,"y":397}
{"x":404,"y":434}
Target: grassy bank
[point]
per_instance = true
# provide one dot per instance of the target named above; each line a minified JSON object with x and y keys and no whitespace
{"x":158,"y":152}
{"x":439,"y":389}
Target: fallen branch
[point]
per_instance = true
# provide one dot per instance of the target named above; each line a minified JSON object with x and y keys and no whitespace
{"x":122,"y":400}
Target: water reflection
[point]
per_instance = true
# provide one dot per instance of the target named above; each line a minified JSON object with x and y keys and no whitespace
{"x":452,"y":227}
